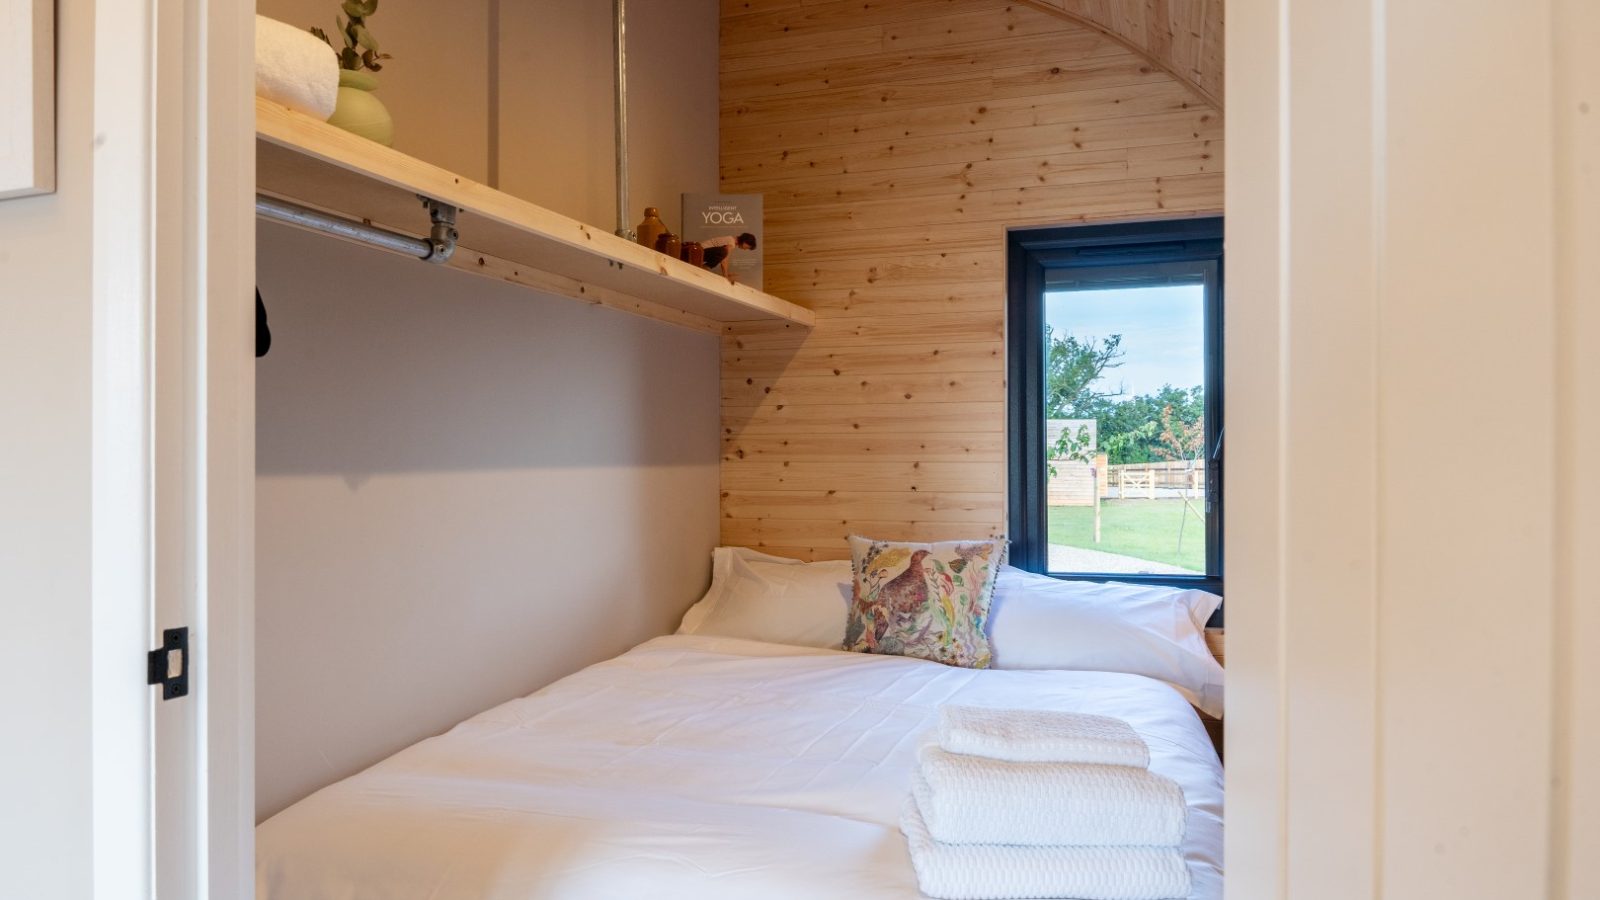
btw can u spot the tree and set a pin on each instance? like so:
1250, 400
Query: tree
1167, 424
1180, 439
1072, 366
1131, 430
1132, 445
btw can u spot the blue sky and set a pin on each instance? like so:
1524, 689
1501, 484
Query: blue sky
1162, 332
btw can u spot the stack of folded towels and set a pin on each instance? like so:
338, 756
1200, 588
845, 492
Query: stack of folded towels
1010, 804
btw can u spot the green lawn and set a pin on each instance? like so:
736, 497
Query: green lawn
1147, 529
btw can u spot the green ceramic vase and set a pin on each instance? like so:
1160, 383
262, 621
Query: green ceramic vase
358, 111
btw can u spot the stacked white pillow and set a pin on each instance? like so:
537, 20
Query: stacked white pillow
770, 598
1035, 622
1039, 622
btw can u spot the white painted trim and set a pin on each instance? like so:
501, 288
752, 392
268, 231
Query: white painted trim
1575, 812
227, 403
174, 445
121, 584
1255, 329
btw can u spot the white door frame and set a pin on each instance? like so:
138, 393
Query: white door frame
173, 460
1412, 703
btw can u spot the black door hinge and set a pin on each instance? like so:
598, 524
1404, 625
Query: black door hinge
169, 665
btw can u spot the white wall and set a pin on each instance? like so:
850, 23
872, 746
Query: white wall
1411, 704
555, 111
672, 110
46, 332
467, 490
551, 106
437, 84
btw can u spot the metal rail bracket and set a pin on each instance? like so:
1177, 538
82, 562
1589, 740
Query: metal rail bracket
443, 236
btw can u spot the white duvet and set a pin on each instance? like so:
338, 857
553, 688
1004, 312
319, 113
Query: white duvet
692, 767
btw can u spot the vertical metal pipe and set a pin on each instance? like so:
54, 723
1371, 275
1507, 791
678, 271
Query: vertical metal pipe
620, 51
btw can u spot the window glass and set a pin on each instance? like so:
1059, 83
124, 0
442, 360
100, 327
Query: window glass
1125, 433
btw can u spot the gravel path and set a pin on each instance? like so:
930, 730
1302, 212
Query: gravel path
1079, 559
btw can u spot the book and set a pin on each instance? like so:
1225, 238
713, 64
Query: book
729, 226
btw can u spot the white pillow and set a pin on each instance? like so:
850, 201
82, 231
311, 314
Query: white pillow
1038, 622
773, 599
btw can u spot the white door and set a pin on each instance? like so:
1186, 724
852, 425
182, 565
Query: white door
174, 442
1412, 707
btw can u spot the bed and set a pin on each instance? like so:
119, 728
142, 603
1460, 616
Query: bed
692, 767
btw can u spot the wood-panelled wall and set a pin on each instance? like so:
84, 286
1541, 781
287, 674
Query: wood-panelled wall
895, 142
1182, 36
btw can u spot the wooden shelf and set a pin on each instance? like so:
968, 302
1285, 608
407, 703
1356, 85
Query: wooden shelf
315, 164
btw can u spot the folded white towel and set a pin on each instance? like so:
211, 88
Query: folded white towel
975, 800
1027, 735
998, 872
295, 68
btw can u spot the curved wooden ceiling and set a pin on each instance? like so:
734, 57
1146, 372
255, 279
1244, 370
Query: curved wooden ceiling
1182, 36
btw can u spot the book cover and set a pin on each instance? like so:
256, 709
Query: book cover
729, 227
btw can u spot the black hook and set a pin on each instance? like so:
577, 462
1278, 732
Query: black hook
263, 333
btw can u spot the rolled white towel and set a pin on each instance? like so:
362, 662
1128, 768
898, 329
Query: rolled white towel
998, 872
295, 68
975, 800
1028, 735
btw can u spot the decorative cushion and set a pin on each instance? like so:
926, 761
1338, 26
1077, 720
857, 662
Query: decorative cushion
929, 601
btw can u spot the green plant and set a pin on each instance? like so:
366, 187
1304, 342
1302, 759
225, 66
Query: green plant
1072, 446
360, 47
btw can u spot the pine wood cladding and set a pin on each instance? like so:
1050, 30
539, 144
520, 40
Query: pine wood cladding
1182, 36
896, 141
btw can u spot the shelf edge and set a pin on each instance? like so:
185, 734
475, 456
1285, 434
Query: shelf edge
293, 131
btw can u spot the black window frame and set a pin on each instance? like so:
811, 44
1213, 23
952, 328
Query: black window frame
1104, 254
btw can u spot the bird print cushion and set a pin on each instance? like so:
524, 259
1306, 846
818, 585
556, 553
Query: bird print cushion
929, 601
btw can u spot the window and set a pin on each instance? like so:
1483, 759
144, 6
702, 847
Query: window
1114, 381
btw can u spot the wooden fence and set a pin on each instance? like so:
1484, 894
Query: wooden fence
1165, 475
1072, 483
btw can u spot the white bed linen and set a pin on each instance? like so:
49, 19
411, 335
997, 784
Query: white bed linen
692, 767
